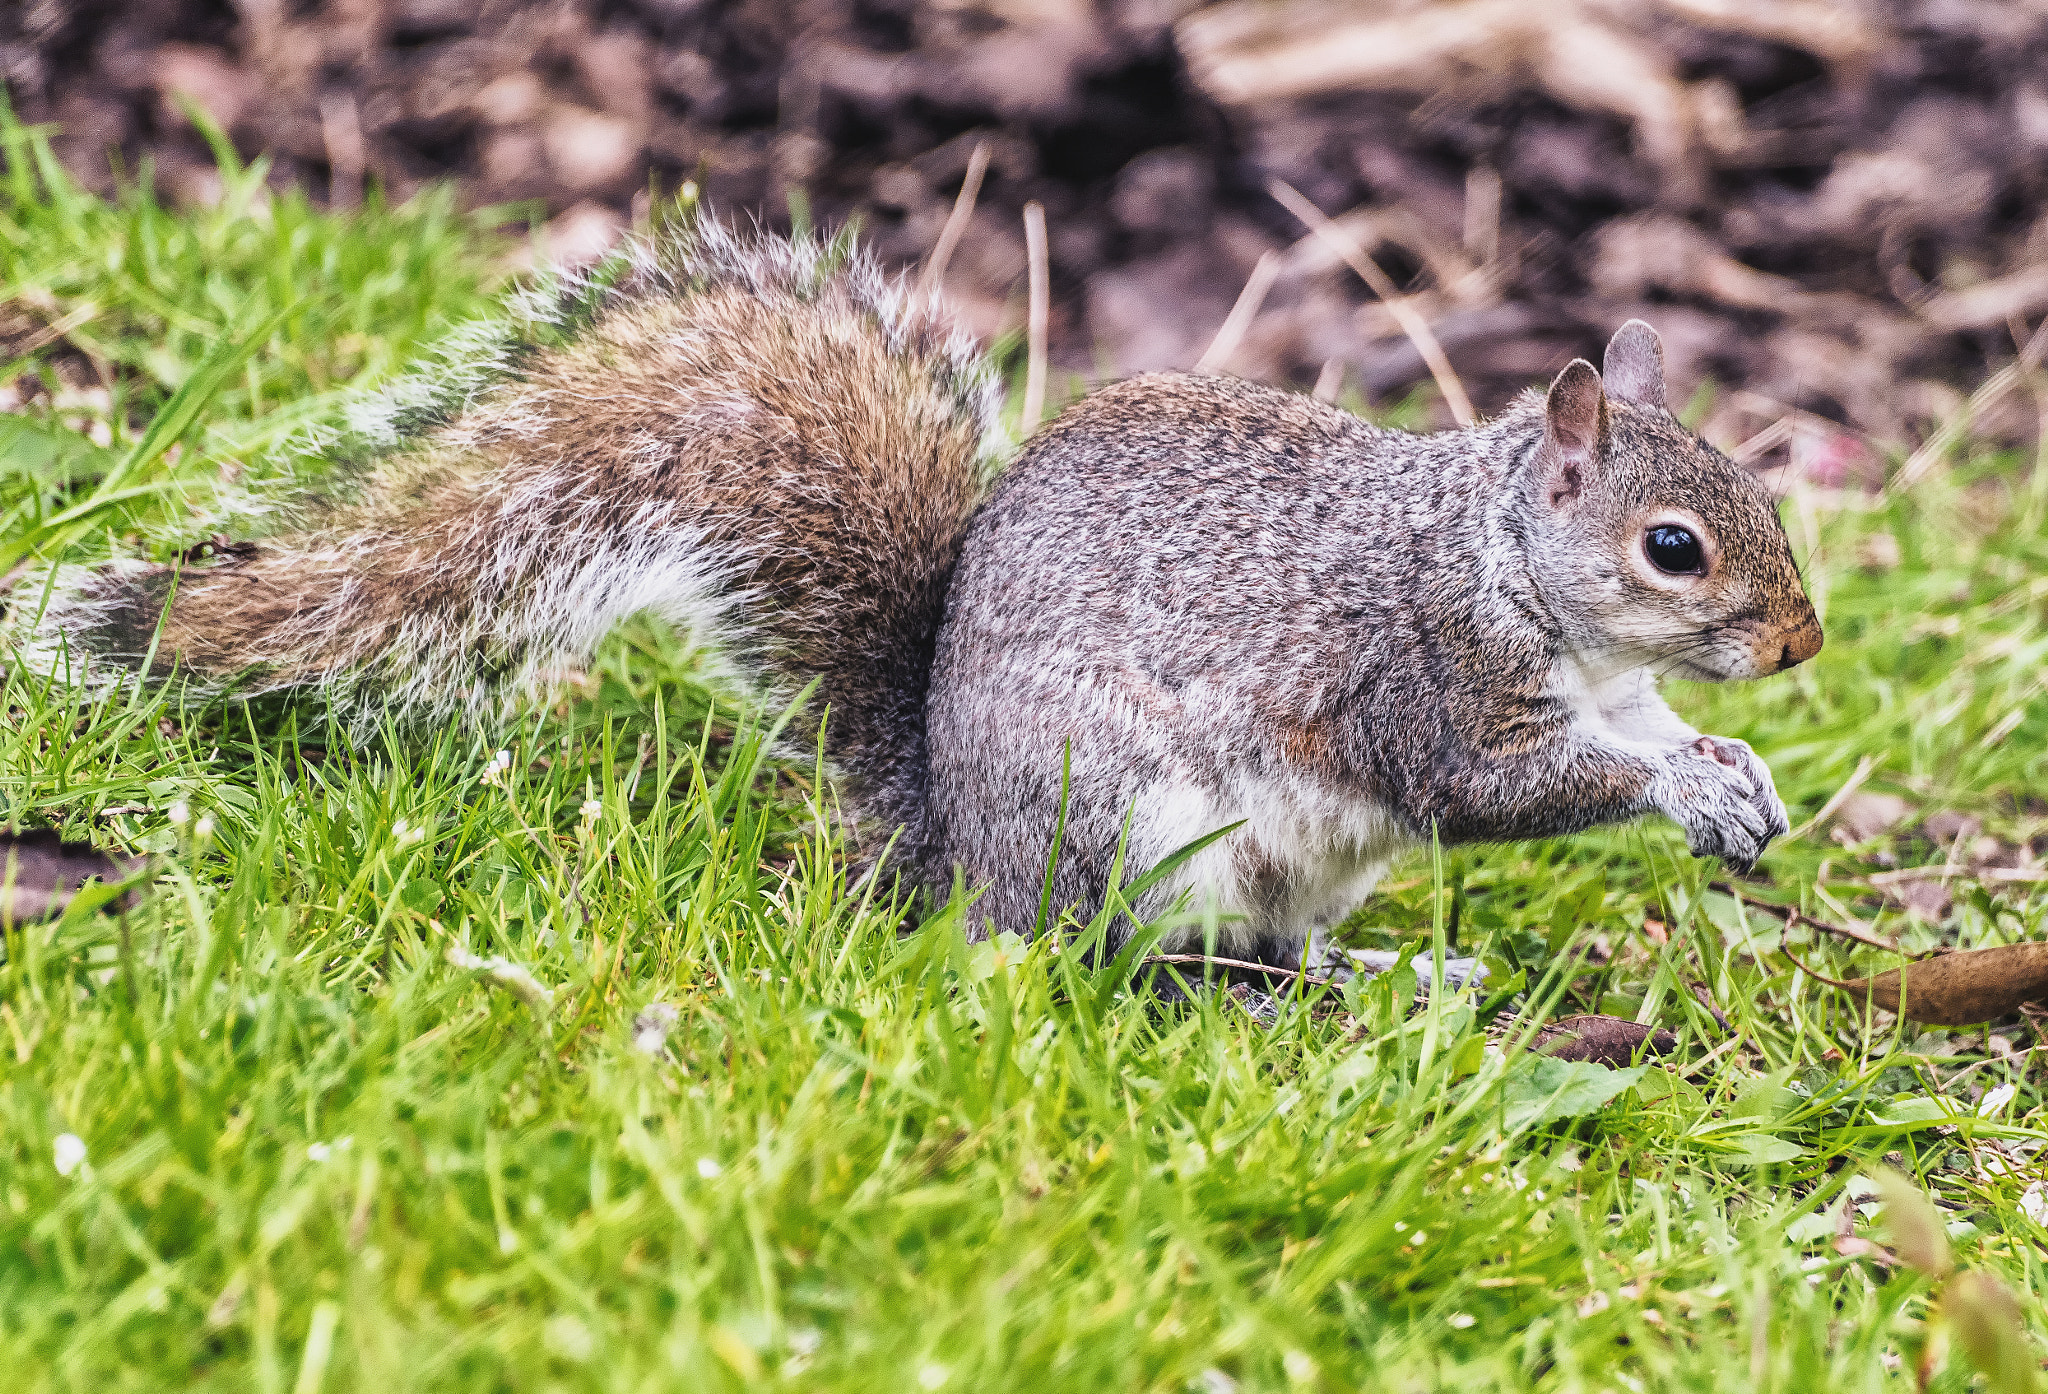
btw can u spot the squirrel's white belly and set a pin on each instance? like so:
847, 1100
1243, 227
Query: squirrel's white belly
1305, 855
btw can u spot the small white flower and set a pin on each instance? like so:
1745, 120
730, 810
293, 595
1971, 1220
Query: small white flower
318, 1151
1421, 1238
69, 1153
203, 829
932, 1376
1400, 1226
1300, 1368
1462, 1321
708, 1168
180, 814
592, 809
406, 834
500, 764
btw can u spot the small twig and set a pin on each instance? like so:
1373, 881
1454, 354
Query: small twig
1242, 965
1241, 315
1793, 917
1822, 977
2007, 875
955, 228
1837, 799
1041, 312
1412, 324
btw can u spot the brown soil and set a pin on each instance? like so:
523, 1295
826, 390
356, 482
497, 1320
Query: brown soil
1832, 207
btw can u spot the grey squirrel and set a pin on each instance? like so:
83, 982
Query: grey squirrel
1213, 602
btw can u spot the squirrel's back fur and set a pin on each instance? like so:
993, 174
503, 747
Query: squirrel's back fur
756, 439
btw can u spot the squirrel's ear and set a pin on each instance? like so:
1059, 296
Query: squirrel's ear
1574, 431
1634, 365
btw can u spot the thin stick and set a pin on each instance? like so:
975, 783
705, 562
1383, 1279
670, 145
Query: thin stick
1793, 917
1311, 979
955, 228
2008, 875
1837, 799
1412, 324
1241, 314
1041, 312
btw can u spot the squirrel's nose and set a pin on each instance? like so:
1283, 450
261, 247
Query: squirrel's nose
1801, 644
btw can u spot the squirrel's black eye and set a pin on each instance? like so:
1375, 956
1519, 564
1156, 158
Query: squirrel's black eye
1675, 550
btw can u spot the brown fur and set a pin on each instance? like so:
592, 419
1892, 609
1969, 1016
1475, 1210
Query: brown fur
815, 455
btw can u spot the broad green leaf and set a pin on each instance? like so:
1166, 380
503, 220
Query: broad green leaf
1550, 1091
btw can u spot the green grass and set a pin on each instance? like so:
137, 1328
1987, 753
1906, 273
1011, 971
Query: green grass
737, 1133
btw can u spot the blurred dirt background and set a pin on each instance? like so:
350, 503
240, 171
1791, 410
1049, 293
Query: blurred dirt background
1835, 210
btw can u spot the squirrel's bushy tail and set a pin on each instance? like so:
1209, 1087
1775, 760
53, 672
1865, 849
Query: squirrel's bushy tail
754, 438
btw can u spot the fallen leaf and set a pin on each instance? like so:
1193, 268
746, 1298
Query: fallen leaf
1602, 1040
43, 874
1960, 988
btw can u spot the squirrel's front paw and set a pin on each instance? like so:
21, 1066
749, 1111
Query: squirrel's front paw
1721, 793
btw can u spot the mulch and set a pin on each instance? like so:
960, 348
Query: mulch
1832, 209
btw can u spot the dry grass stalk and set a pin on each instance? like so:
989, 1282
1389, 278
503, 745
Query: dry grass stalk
1412, 324
1241, 315
341, 132
1040, 315
1837, 799
1958, 426
55, 330
1778, 433
1330, 381
1996, 875
1482, 214
955, 228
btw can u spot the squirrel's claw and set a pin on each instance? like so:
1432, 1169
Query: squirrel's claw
1721, 793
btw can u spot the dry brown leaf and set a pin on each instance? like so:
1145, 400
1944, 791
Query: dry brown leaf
1602, 1040
40, 873
1960, 988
